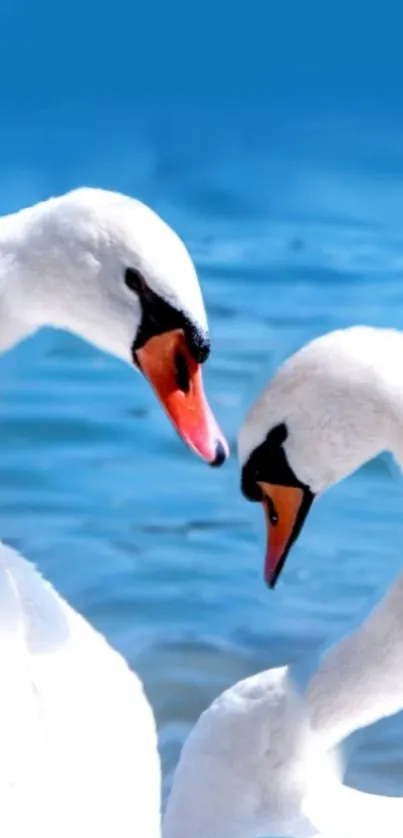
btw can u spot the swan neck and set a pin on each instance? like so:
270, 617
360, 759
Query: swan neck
356, 684
20, 274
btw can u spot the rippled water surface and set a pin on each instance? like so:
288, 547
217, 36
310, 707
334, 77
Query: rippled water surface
295, 229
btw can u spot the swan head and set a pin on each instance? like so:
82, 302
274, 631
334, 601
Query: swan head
108, 268
329, 409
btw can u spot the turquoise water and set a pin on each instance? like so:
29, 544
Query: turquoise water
296, 228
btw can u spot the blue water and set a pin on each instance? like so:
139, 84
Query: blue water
295, 224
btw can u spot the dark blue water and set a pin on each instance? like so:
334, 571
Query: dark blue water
296, 226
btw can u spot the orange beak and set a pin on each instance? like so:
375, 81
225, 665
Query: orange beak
177, 380
285, 509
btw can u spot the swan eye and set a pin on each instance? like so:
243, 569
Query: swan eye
134, 280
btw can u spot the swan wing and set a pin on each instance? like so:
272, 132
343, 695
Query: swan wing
78, 748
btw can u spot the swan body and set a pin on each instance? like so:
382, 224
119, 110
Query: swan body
78, 739
348, 813
247, 764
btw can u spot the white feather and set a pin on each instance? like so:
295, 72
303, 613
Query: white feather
78, 751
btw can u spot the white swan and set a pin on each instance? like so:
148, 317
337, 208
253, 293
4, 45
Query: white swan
78, 751
259, 760
106, 267
257, 757
78, 747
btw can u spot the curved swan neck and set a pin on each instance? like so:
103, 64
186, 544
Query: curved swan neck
14, 302
356, 683
62, 264
35, 268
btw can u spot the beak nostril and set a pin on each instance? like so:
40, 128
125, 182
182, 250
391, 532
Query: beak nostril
273, 516
182, 373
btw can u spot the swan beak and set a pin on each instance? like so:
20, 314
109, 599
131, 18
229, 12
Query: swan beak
285, 509
176, 378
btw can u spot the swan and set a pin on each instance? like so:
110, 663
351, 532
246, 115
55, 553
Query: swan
262, 756
107, 268
331, 407
78, 753
262, 760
